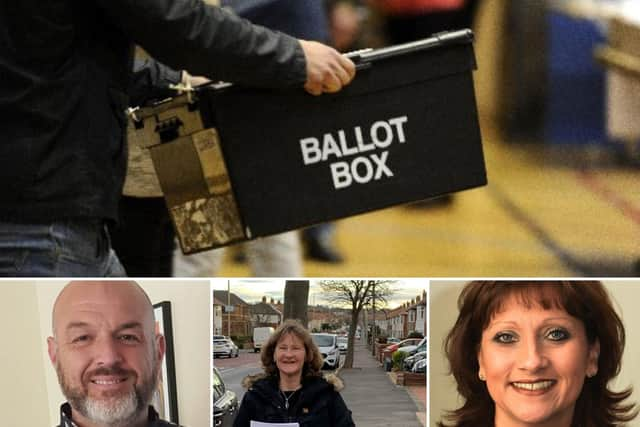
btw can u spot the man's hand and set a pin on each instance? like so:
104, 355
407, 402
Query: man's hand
327, 70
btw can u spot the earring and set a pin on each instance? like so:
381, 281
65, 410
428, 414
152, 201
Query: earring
592, 374
481, 376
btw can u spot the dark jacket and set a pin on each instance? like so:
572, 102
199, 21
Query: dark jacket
64, 69
154, 419
306, 19
318, 403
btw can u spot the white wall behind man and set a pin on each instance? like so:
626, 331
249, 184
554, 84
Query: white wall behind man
23, 395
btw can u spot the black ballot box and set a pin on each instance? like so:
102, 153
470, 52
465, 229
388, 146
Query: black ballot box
405, 129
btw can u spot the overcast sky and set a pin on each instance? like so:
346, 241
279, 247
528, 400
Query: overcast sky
252, 290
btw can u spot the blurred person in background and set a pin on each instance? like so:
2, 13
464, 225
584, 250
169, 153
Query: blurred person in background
345, 23
409, 20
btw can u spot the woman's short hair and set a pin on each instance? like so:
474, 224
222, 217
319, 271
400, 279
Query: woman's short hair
314, 361
597, 406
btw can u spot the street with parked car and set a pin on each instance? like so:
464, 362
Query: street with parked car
224, 347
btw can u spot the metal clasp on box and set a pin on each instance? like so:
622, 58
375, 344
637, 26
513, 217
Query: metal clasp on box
165, 121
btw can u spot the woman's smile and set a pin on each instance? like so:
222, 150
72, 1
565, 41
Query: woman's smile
533, 387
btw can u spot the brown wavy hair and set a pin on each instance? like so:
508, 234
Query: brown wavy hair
597, 406
314, 361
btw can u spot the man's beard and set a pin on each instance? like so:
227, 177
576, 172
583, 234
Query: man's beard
114, 410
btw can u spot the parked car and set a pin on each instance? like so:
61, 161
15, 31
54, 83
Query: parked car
225, 402
410, 341
410, 361
413, 349
260, 337
343, 344
328, 346
393, 340
420, 366
225, 347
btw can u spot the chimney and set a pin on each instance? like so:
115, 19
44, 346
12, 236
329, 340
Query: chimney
264, 300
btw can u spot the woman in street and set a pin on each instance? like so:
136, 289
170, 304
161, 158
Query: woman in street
292, 389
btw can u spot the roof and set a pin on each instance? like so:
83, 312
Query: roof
222, 297
418, 303
264, 308
396, 312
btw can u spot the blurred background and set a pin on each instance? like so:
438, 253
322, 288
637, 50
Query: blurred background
558, 92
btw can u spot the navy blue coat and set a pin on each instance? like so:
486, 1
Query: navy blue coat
318, 404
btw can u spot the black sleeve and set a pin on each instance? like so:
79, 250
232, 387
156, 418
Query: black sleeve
151, 80
247, 408
210, 41
341, 415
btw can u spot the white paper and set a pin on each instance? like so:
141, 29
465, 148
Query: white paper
261, 424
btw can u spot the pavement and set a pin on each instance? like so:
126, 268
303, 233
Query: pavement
419, 396
375, 400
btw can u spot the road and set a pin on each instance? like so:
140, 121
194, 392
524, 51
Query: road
234, 370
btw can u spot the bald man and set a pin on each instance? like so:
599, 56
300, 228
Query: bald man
107, 355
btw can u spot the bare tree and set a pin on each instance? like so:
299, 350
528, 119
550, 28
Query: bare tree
296, 295
355, 294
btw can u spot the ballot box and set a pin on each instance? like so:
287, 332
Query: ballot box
237, 163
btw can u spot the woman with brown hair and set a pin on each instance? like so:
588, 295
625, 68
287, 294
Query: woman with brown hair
292, 388
537, 353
